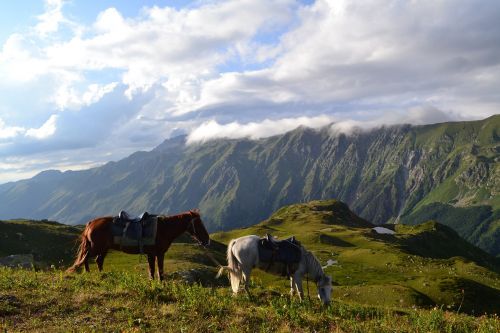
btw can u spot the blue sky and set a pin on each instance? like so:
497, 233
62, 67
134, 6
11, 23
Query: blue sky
85, 82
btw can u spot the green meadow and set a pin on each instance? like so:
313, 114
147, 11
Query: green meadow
423, 278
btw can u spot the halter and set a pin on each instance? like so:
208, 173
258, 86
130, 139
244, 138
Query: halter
191, 222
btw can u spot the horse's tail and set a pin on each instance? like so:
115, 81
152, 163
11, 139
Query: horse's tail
83, 252
233, 268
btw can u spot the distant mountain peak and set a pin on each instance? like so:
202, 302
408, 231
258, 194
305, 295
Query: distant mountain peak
172, 142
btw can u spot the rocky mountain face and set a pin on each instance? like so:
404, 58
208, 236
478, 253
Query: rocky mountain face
448, 172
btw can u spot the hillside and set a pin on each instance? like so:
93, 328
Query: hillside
422, 279
425, 265
388, 174
50, 243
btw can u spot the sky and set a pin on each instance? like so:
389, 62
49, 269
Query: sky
85, 82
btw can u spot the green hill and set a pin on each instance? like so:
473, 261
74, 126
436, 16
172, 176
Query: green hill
396, 173
50, 243
421, 279
424, 265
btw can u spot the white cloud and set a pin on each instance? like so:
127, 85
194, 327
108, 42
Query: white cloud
67, 97
414, 116
213, 130
17, 63
338, 52
46, 130
161, 45
50, 20
366, 53
350, 126
8, 132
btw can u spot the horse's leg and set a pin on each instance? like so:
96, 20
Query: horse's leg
86, 264
292, 286
90, 253
100, 261
298, 285
159, 258
246, 277
151, 262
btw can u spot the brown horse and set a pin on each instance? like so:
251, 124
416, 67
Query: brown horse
97, 239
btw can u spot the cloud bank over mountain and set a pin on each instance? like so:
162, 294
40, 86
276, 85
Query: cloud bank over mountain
122, 79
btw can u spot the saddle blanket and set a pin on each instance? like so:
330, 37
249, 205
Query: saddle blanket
282, 257
134, 232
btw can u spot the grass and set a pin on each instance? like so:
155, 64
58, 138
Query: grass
51, 243
128, 301
412, 281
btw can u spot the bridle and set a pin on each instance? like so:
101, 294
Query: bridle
193, 230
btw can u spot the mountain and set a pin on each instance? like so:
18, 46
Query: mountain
424, 265
402, 174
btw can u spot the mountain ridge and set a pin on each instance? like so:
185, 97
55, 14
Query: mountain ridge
387, 174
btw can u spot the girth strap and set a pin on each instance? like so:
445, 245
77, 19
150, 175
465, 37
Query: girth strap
140, 242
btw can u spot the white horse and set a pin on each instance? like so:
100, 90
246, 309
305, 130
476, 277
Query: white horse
243, 256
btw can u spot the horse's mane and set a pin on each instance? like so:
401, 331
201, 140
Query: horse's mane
313, 265
179, 217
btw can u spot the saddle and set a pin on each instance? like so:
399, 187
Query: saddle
286, 252
134, 231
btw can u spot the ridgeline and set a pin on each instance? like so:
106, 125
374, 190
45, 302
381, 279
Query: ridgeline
447, 172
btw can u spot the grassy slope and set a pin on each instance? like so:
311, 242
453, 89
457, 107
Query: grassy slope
50, 243
127, 302
417, 266
379, 281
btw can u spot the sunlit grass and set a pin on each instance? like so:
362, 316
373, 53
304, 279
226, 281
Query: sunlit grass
127, 301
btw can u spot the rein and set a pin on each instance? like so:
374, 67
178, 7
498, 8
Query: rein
309, 268
207, 251
191, 222
211, 257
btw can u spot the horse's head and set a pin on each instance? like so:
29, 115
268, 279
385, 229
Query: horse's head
197, 229
324, 285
